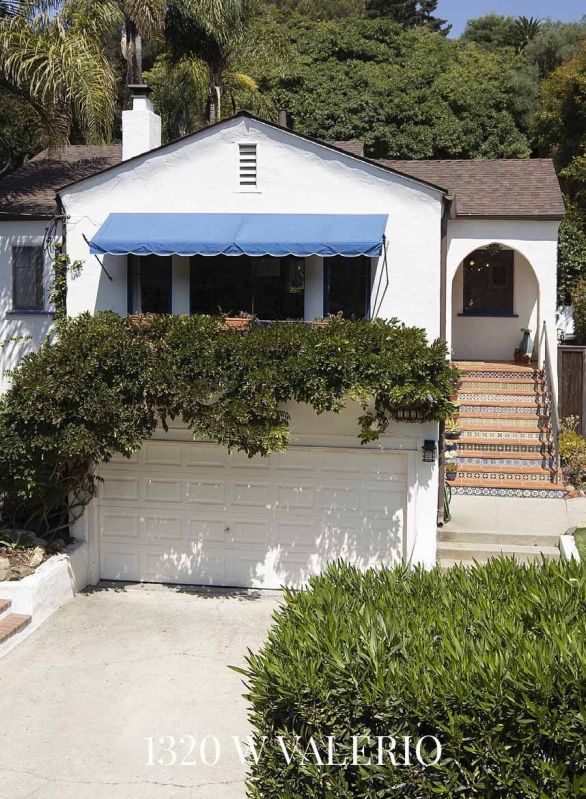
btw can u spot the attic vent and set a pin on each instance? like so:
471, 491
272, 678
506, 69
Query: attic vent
247, 164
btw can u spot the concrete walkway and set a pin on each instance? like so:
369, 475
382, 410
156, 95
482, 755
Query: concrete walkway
115, 666
515, 515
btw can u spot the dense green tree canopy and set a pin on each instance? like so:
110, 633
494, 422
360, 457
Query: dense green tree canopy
408, 94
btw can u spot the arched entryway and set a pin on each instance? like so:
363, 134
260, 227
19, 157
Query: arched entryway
495, 295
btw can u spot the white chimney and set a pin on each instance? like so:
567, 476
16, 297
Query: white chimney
141, 127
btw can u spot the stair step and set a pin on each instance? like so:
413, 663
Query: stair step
528, 404
467, 552
11, 624
482, 537
503, 456
495, 366
490, 469
523, 393
512, 485
473, 443
513, 418
470, 424
498, 430
5, 604
507, 383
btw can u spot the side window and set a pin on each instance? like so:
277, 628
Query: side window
27, 279
347, 286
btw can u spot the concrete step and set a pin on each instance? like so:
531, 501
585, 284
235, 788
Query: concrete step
468, 552
11, 624
480, 538
5, 605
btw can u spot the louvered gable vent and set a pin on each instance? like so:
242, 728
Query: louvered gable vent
247, 165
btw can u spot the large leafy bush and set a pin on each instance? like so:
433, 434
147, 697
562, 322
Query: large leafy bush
490, 660
103, 384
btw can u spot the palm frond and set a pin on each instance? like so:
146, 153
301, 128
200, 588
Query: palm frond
65, 73
147, 15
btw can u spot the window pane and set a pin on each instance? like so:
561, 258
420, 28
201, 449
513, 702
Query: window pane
221, 285
149, 284
270, 288
488, 282
348, 286
27, 267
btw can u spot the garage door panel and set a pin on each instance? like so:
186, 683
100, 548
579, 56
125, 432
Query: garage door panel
121, 488
294, 496
206, 492
119, 524
163, 490
206, 531
162, 453
192, 513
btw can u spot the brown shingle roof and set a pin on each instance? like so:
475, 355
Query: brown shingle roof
352, 146
526, 188
521, 188
30, 189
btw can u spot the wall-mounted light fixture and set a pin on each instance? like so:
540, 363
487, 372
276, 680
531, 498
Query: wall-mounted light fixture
429, 450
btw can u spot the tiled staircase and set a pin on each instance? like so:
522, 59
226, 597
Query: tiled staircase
10, 623
505, 444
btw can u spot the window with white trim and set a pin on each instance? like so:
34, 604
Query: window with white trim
247, 166
27, 279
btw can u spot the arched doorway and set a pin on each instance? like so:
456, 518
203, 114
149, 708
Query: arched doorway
495, 295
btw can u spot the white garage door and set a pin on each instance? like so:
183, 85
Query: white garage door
183, 512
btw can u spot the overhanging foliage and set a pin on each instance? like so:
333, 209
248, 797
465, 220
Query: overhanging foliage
103, 384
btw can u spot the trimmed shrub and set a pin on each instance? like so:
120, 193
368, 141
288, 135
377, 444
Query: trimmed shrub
491, 660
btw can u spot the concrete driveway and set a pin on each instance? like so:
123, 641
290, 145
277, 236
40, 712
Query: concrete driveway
116, 666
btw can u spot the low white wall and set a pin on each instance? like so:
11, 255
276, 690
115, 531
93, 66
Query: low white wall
55, 582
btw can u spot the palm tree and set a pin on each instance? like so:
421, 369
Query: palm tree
207, 42
133, 20
525, 30
59, 71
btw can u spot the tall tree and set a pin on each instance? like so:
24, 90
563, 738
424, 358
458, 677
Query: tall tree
491, 31
205, 62
59, 71
132, 20
408, 13
526, 30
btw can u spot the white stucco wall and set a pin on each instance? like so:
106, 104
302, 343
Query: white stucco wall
295, 176
491, 338
28, 328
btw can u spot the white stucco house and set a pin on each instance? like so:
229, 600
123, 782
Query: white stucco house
208, 223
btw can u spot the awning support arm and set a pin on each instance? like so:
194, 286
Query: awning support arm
98, 260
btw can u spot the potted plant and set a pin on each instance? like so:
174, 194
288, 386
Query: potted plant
524, 351
240, 322
451, 461
452, 430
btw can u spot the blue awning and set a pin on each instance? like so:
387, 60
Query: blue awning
241, 234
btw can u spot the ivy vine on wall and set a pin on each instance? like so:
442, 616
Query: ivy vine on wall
102, 384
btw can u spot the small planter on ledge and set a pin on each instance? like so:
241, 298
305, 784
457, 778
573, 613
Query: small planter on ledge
451, 465
241, 322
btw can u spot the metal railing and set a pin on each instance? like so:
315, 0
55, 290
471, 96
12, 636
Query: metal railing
550, 402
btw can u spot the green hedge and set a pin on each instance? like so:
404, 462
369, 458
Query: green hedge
490, 660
